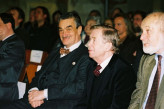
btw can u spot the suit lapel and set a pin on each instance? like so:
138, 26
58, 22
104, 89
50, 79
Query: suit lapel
147, 68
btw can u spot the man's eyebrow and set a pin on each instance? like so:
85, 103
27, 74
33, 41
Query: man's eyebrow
69, 26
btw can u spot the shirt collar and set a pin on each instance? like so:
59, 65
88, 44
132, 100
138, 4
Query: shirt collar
105, 63
73, 47
7, 37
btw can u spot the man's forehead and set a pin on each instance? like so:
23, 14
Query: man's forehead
148, 23
96, 32
66, 22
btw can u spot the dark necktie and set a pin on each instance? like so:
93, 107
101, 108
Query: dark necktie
64, 51
153, 93
96, 71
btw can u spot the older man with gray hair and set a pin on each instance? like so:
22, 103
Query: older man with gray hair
149, 93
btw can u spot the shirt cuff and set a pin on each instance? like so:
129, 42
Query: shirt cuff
46, 93
35, 88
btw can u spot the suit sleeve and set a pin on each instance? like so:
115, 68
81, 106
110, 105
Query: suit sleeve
135, 98
11, 61
74, 89
11, 54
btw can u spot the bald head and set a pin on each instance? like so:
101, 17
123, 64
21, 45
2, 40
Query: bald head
154, 19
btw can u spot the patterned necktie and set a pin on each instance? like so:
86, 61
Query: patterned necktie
96, 71
153, 93
64, 51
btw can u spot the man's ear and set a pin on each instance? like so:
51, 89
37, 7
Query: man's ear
79, 29
108, 46
9, 25
20, 20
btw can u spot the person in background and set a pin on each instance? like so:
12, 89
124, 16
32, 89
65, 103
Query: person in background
112, 82
61, 82
92, 20
108, 22
115, 12
55, 30
95, 13
42, 34
29, 26
19, 18
138, 16
12, 56
128, 45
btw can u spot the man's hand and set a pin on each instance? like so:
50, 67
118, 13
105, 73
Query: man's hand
35, 104
36, 95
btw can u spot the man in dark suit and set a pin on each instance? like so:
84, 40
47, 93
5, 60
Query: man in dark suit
12, 55
110, 85
19, 18
61, 82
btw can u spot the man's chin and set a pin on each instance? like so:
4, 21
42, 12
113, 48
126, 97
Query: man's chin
149, 51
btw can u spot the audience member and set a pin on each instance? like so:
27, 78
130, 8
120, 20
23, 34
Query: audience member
29, 26
55, 30
19, 18
61, 82
92, 20
12, 55
42, 36
115, 12
108, 22
138, 16
95, 13
110, 85
149, 92
128, 44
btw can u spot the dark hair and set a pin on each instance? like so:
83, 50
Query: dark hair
97, 13
55, 13
45, 11
120, 12
109, 35
127, 23
21, 14
74, 15
142, 13
7, 18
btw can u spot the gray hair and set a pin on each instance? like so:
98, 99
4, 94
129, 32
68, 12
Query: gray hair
157, 18
109, 35
95, 18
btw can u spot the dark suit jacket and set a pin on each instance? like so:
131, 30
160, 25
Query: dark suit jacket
65, 79
12, 55
113, 88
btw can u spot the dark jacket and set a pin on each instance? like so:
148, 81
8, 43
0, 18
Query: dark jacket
12, 55
113, 88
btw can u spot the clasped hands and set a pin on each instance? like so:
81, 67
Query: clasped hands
36, 98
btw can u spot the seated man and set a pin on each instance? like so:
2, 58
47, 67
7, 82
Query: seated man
111, 84
61, 82
12, 55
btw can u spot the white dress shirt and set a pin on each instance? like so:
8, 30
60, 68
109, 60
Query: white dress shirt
105, 63
153, 75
